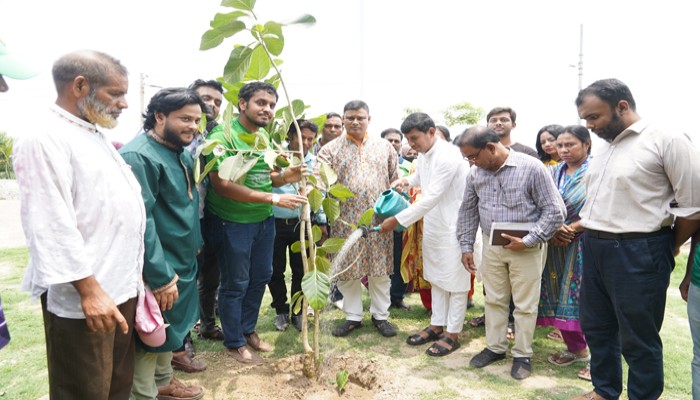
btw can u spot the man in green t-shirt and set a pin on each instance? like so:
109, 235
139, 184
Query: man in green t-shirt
242, 225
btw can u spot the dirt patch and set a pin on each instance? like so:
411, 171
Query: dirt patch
283, 378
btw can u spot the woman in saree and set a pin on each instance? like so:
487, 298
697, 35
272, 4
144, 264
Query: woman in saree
561, 279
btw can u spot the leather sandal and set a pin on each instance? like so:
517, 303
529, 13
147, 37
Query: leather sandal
438, 350
478, 321
184, 362
346, 328
245, 355
418, 339
176, 390
257, 344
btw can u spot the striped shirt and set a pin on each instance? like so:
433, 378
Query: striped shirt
522, 190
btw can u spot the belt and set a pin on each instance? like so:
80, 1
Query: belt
626, 235
287, 221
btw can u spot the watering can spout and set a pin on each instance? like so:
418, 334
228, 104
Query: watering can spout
367, 230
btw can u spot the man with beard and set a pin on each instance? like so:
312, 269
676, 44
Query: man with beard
211, 93
643, 179
172, 239
242, 224
84, 222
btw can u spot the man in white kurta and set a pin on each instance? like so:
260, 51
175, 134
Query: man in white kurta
441, 173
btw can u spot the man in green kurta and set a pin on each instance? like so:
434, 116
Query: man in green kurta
172, 238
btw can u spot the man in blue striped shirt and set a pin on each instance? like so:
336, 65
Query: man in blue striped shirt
507, 186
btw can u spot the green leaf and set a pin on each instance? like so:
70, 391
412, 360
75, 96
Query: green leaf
332, 245
224, 21
341, 379
247, 138
313, 181
366, 218
211, 39
207, 146
316, 233
202, 126
296, 247
261, 141
332, 209
328, 176
273, 37
297, 301
247, 5
315, 198
341, 192
259, 66
316, 286
236, 167
306, 19
323, 264
238, 63
207, 169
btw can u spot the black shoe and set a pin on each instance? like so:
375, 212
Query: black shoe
401, 305
281, 322
521, 368
485, 358
384, 327
296, 321
346, 328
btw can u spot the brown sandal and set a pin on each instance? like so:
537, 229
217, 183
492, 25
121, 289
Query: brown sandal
177, 390
478, 321
257, 344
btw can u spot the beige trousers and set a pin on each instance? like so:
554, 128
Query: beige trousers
517, 273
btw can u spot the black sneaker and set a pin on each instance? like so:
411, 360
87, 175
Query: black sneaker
281, 322
485, 358
384, 327
296, 321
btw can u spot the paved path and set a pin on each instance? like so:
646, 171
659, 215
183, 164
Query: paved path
11, 233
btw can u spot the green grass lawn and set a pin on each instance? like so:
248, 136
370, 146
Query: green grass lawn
23, 366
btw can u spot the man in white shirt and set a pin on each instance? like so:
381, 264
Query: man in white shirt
84, 221
441, 173
642, 180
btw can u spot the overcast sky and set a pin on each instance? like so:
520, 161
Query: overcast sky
392, 54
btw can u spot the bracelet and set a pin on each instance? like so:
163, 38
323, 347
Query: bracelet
275, 199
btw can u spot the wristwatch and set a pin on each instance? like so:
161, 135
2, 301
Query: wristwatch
275, 199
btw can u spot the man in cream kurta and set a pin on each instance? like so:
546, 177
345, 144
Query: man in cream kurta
441, 173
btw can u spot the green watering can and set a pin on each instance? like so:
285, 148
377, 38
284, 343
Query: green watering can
390, 203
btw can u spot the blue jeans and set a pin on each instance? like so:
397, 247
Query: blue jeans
694, 321
244, 253
623, 298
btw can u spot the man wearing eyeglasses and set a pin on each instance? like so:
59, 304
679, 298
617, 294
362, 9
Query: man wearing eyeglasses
507, 186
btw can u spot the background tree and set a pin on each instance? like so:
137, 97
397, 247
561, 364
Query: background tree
462, 114
6, 170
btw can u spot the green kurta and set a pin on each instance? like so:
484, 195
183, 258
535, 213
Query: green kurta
172, 236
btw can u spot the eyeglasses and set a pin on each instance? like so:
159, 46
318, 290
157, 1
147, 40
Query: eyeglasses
473, 157
329, 126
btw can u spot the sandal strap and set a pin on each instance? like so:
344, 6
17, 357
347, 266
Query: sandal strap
447, 340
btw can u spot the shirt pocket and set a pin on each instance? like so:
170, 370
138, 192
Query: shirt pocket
512, 197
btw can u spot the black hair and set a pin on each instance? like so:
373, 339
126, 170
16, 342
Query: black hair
444, 130
303, 124
356, 105
478, 137
249, 89
610, 91
499, 110
581, 133
168, 100
391, 130
216, 85
554, 130
419, 121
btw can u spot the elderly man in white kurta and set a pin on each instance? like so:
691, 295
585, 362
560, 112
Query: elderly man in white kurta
441, 173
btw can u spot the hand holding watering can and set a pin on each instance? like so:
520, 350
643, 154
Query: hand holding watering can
390, 203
